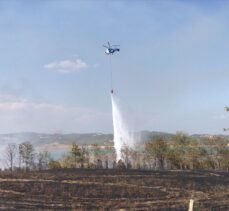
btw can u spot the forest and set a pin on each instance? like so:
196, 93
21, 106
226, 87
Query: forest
163, 153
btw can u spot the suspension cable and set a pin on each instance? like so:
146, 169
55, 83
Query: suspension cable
111, 76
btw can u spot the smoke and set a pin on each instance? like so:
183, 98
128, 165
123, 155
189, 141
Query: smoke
123, 127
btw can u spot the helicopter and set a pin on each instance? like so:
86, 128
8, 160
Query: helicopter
110, 49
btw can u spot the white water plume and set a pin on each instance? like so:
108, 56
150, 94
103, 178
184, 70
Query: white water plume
123, 129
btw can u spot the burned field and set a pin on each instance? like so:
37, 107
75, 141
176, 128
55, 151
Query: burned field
107, 189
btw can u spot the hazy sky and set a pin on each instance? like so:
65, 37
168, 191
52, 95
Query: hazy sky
172, 70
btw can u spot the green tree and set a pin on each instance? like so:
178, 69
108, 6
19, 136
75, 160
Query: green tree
67, 161
194, 155
76, 154
178, 151
126, 153
216, 152
43, 159
27, 154
225, 158
80, 155
11, 152
84, 156
157, 150
97, 154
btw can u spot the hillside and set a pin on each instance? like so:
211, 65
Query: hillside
38, 139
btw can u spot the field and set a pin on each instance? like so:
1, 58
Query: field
107, 189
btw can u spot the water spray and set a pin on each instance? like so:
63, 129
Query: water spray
123, 132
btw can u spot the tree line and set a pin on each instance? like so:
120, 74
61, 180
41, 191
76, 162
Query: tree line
178, 152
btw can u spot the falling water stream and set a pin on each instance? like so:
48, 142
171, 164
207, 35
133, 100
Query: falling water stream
123, 132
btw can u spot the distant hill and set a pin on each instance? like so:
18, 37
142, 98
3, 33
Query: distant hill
43, 138
38, 139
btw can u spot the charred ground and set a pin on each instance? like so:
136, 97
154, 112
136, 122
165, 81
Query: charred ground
108, 189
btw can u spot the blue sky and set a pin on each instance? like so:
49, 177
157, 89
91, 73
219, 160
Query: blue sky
172, 70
